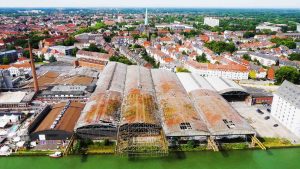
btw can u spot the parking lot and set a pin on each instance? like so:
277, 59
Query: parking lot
263, 127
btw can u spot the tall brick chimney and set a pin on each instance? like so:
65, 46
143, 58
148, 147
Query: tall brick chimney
34, 76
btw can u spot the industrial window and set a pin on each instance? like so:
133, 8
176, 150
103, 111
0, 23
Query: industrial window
229, 124
185, 126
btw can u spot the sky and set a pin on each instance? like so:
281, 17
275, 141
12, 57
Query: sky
154, 3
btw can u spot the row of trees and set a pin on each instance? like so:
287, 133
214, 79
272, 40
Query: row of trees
286, 42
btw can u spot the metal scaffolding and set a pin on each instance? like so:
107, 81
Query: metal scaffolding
141, 140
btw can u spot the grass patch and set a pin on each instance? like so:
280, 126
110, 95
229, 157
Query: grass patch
100, 150
234, 146
275, 142
186, 147
90, 147
32, 153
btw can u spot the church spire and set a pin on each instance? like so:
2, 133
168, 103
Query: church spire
146, 17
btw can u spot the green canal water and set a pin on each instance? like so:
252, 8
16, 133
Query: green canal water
249, 159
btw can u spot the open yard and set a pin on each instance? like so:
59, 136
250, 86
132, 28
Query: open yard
264, 128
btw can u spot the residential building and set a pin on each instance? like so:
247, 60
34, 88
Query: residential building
234, 72
286, 106
266, 60
17, 69
93, 55
211, 21
64, 50
122, 40
268, 26
52, 41
260, 72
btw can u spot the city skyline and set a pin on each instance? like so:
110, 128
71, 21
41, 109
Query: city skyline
153, 3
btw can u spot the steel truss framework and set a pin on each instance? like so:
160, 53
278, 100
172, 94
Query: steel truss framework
141, 139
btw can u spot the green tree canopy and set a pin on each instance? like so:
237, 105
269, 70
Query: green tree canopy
5, 60
286, 42
287, 73
248, 35
94, 48
220, 47
252, 74
246, 57
202, 58
294, 56
52, 59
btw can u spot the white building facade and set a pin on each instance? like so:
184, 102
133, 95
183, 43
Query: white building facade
286, 106
266, 60
211, 21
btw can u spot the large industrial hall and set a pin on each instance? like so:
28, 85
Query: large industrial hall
148, 110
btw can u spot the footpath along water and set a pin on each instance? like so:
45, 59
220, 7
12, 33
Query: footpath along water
248, 159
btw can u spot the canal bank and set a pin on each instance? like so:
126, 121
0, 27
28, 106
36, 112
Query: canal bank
246, 159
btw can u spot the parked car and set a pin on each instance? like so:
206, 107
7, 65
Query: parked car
267, 117
275, 125
269, 110
259, 111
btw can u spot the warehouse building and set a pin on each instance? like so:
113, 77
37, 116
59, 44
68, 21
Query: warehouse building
229, 89
153, 109
56, 123
101, 114
140, 131
258, 96
208, 96
180, 119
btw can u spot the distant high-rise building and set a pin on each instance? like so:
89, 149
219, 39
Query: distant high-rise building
120, 18
286, 106
210, 21
146, 17
298, 27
